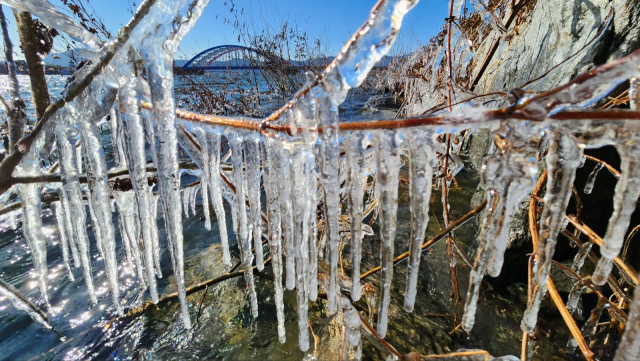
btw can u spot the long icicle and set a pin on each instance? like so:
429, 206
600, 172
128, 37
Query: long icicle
100, 197
160, 76
355, 187
422, 159
286, 213
388, 163
242, 232
252, 155
71, 186
213, 140
300, 171
275, 233
32, 228
129, 97
201, 135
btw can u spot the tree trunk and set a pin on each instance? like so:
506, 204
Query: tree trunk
29, 40
15, 105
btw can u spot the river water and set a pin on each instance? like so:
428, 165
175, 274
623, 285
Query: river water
223, 326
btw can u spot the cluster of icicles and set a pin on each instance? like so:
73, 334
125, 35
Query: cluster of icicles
298, 171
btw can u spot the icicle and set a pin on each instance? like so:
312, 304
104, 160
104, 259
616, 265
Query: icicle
422, 159
32, 228
160, 77
66, 216
629, 346
313, 225
125, 240
151, 137
193, 195
185, 201
388, 160
99, 202
591, 181
301, 168
275, 235
154, 231
132, 124
352, 326
201, 135
117, 136
581, 256
64, 241
213, 146
126, 209
252, 155
284, 187
242, 232
574, 297
79, 154
355, 187
562, 160
94, 221
77, 214
330, 155
229, 195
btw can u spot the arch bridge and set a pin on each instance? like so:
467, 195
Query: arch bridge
230, 57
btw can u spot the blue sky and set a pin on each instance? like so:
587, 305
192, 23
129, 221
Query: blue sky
334, 21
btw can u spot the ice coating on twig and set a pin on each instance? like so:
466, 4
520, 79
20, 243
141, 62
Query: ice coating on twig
22, 303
